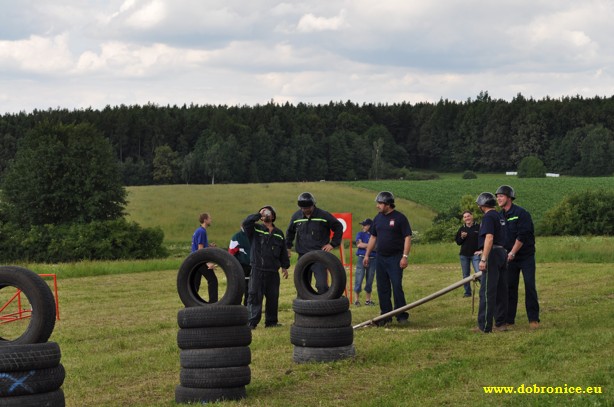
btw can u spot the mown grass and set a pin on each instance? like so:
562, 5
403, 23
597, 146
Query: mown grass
175, 208
118, 340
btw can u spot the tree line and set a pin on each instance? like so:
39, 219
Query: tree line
339, 140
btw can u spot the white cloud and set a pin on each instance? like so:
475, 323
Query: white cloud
72, 53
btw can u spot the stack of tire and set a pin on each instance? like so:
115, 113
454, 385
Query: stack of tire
322, 329
213, 338
30, 370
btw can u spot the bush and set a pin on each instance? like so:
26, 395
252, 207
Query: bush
469, 175
100, 240
587, 213
531, 167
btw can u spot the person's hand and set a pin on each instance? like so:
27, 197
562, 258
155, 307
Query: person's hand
482, 266
365, 261
284, 272
289, 253
327, 247
404, 263
463, 235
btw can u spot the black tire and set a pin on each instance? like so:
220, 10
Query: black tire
323, 321
36, 290
235, 278
31, 356
303, 354
33, 381
213, 315
327, 307
302, 277
215, 378
196, 395
215, 357
321, 337
51, 399
214, 337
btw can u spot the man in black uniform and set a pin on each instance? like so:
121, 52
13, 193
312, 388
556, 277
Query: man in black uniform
493, 287
312, 227
520, 245
268, 254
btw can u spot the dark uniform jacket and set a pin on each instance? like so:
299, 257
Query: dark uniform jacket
314, 232
268, 250
519, 226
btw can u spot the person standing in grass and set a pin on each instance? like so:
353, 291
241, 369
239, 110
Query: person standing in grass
312, 228
467, 239
520, 245
239, 247
493, 287
268, 255
362, 241
391, 233
201, 241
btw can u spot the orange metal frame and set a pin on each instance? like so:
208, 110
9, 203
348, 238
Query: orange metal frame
26, 313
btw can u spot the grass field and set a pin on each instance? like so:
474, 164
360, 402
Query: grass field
118, 339
118, 319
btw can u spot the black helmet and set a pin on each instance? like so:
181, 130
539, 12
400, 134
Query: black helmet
273, 213
305, 200
486, 199
506, 190
386, 198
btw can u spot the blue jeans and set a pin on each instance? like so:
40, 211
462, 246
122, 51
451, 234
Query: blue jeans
360, 275
466, 262
390, 281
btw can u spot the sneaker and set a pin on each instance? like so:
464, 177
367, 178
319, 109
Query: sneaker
357, 303
403, 321
370, 303
467, 295
501, 328
533, 324
476, 329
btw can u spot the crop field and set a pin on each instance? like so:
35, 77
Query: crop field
537, 195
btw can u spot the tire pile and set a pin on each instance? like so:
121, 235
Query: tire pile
213, 338
322, 329
31, 374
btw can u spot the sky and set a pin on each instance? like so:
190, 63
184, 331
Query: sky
79, 54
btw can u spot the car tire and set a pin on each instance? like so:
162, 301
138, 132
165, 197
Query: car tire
30, 356
235, 278
302, 278
323, 321
321, 337
211, 316
38, 293
214, 337
323, 307
215, 357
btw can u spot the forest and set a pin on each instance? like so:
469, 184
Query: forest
339, 141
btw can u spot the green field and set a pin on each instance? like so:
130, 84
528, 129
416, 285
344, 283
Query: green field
118, 319
537, 195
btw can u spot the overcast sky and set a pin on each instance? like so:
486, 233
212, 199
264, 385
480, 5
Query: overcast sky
91, 53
